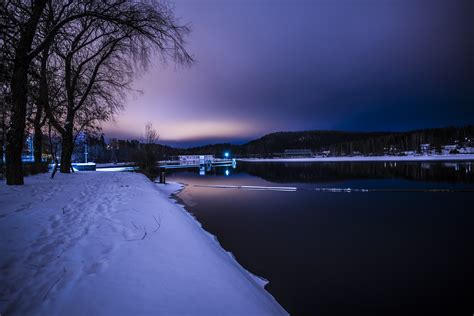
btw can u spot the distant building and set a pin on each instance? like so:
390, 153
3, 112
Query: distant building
449, 149
295, 153
195, 159
425, 149
466, 150
392, 150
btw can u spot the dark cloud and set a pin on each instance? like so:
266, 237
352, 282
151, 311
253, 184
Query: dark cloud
339, 64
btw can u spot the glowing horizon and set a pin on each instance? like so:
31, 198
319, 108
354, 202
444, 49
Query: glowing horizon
299, 65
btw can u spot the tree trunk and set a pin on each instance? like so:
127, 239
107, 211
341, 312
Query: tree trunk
2, 135
18, 89
67, 149
15, 134
38, 147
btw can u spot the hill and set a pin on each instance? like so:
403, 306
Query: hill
321, 142
347, 143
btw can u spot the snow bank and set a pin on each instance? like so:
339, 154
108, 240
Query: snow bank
116, 169
454, 157
114, 164
96, 243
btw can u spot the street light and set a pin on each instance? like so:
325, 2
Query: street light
226, 154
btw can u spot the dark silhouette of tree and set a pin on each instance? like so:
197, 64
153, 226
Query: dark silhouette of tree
148, 153
94, 33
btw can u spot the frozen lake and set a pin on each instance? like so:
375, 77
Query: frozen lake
392, 250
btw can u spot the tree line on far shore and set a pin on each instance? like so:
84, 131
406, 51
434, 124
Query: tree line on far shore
333, 143
67, 65
343, 143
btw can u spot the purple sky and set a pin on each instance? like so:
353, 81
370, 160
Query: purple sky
272, 65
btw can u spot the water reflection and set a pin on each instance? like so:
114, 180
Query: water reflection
337, 254
450, 172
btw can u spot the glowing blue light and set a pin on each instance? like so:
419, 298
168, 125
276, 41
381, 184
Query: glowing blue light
226, 154
227, 172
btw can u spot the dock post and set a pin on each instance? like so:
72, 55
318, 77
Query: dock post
163, 177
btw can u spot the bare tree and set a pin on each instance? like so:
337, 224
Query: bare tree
36, 118
3, 123
20, 21
5, 78
148, 154
145, 26
99, 61
4, 108
151, 134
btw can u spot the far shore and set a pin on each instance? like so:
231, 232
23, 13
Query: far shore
453, 157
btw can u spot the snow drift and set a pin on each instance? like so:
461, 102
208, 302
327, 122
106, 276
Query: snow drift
112, 243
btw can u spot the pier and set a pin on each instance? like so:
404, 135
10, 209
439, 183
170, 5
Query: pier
203, 165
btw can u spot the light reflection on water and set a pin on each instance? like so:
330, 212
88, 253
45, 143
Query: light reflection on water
346, 253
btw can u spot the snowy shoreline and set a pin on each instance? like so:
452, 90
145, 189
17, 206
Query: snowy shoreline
174, 196
454, 157
115, 244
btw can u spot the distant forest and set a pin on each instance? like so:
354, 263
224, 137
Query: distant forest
340, 143
333, 143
